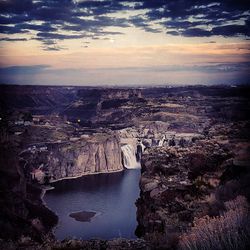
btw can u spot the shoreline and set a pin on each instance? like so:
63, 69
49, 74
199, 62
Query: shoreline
86, 174
44, 189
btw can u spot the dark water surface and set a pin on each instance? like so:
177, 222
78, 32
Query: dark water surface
112, 196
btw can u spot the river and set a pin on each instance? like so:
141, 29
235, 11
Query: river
111, 196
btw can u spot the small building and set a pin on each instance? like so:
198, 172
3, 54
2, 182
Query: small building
43, 148
19, 122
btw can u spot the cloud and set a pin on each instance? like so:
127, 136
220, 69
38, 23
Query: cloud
141, 22
201, 18
197, 32
48, 35
15, 6
53, 48
23, 70
211, 67
173, 33
231, 30
226, 31
45, 27
216, 67
207, 68
52, 19
7, 39
11, 30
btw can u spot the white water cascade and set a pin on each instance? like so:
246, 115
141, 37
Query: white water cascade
161, 141
129, 157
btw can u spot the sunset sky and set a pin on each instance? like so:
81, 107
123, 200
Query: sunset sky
118, 42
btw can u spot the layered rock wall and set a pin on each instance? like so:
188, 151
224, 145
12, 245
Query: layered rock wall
98, 154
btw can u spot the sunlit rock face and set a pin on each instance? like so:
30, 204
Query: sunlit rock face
101, 154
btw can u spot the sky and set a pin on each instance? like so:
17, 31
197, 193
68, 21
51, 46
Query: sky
118, 42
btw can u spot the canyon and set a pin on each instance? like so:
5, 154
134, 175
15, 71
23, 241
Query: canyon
191, 143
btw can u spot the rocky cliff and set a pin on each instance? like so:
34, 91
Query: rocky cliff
181, 188
98, 153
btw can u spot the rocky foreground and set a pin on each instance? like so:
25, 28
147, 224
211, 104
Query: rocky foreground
116, 244
196, 197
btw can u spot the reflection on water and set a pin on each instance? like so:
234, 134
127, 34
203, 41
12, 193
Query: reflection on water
113, 196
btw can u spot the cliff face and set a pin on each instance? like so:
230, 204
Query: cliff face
98, 154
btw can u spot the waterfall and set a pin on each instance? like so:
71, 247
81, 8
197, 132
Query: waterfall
129, 157
161, 142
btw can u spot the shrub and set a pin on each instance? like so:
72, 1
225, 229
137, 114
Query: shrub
229, 231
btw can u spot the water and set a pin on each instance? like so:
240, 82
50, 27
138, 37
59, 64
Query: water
129, 157
111, 195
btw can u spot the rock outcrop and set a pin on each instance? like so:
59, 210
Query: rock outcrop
181, 185
101, 154
98, 154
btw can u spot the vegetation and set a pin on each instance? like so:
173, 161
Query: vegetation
229, 231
